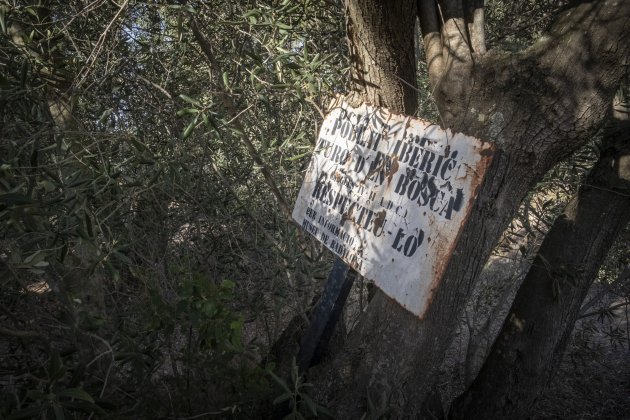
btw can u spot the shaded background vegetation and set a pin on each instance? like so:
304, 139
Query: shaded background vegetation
150, 152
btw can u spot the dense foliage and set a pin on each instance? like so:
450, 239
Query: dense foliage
149, 155
146, 265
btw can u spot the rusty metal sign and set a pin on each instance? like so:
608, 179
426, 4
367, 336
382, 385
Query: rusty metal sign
389, 194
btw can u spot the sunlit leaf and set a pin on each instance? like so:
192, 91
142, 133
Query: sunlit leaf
76, 393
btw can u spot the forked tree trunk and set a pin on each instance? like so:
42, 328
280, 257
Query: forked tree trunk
537, 106
533, 338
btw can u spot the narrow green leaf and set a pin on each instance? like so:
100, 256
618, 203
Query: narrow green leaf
296, 157
282, 398
237, 131
32, 11
190, 100
3, 24
189, 129
185, 111
310, 404
88, 225
105, 115
228, 284
47, 185
55, 366
225, 80
283, 26
122, 257
58, 412
212, 123
76, 393
252, 12
34, 258
280, 382
187, 8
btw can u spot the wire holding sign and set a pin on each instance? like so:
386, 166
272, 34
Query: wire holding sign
389, 194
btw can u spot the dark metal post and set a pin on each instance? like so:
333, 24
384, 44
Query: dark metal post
325, 316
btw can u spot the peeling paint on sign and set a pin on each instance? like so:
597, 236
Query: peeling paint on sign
389, 195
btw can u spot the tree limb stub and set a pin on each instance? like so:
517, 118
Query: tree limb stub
432, 39
475, 19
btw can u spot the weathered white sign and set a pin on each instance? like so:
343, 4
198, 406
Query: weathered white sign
389, 194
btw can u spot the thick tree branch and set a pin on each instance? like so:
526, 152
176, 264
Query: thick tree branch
432, 39
564, 81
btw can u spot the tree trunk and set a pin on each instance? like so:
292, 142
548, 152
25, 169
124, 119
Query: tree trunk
382, 52
539, 323
537, 106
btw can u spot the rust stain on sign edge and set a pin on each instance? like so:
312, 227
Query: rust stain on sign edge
487, 155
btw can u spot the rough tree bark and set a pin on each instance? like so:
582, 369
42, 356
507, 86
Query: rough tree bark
382, 53
537, 106
539, 323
